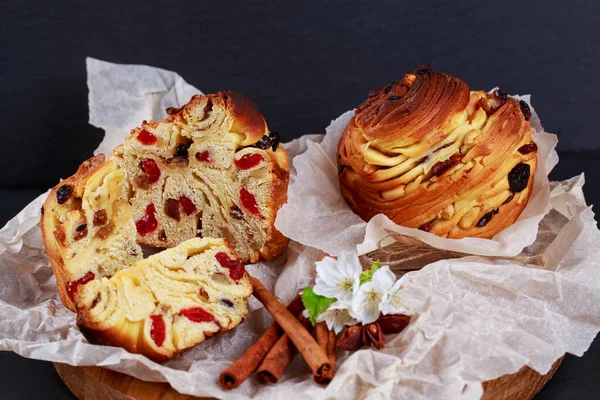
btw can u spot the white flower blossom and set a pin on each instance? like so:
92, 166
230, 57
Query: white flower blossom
393, 301
367, 302
337, 316
338, 279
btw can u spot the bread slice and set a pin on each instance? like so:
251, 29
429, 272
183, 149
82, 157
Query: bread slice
211, 169
167, 302
87, 227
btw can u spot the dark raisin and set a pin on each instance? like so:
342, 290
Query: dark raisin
487, 217
235, 212
100, 218
81, 227
172, 209
172, 110
274, 140
509, 198
443, 166
228, 303
424, 71
528, 148
42, 210
80, 232
388, 89
427, 227
264, 143
181, 151
162, 235
64, 193
518, 177
199, 227
525, 110
502, 95
341, 168
392, 98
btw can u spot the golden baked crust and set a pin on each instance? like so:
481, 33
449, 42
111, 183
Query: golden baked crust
431, 154
216, 155
87, 226
168, 302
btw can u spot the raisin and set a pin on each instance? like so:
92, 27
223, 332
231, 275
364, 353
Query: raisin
518, 177
181, 151
81, 231
509, 198
162, 235
197, 314
487, 217
146, 137
74, 285
528, 148
502, 95
274, 140
235, 212
42, 210
100, 218
388, 89
204, 156
64, 193
443, 166
151, 169
141, 181
264, 143
341, 168
392, 98
248, 161
427, 227
235, 266
172, 209
228, 303
424, 71
158, 330
199, 227
249, 201
187, 205
525, 110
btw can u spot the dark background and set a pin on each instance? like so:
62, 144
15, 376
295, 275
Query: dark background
303, 63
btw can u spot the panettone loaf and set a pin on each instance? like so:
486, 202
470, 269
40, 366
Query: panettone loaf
211, 169
431, 154
168, 302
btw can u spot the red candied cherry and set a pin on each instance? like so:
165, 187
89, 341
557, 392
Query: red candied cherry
235, 266
204, 156
248, 161
197, 314
158, 330
151, 169
148, 222
74, 285
146, 137
249, 201
187, 205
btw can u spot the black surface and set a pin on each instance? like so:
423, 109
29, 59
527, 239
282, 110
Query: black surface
303, 63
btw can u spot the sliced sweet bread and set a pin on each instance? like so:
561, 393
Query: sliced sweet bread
87, 227
211, 169
168, 302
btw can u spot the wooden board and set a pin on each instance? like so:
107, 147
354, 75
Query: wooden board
95, 383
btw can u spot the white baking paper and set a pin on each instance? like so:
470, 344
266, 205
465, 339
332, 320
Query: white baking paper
475, 318
317, 215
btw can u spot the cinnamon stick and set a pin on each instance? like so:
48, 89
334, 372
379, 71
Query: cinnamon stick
279, 358
327, 341
244, 366
310, 350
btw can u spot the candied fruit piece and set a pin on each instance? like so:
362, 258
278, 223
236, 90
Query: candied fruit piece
204, 156
197, 314
100, 218
248, 161
172, 209
249, 201
146, 137
74, 285
151, 169
187, 205
158, 330
148, 223
235, 212
235, 266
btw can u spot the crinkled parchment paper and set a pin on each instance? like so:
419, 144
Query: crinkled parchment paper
476, 317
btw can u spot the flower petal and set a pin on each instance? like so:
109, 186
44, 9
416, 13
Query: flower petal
383, 278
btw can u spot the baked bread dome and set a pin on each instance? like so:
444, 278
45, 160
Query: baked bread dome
211, 169
429, 153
